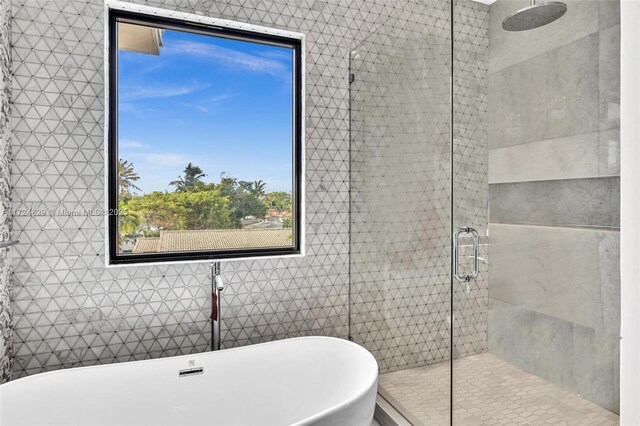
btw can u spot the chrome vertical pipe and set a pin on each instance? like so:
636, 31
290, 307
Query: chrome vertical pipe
213, 323
217, 282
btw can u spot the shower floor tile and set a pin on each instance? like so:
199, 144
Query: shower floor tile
488, 391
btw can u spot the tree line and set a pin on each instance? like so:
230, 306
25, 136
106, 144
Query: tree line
193, 204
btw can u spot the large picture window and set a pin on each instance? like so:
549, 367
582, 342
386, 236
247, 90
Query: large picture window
204, 141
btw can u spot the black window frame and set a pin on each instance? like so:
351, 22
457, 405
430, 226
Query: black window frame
114, 17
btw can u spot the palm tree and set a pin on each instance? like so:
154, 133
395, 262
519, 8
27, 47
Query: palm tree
244, 186
126, 178
192, 176
258, 188
278, 201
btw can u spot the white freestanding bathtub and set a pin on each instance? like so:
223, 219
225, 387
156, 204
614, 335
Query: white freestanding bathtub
301, 381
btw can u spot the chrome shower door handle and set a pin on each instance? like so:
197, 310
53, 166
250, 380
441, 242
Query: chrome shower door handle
476, 254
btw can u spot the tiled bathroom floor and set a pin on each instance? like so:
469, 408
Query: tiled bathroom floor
489, 391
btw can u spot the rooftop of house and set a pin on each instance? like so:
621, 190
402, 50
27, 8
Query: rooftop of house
214, 239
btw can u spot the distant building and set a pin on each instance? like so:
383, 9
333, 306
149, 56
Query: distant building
139, 38
274, 215
213, 239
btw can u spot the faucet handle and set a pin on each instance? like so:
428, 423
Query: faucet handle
219, 283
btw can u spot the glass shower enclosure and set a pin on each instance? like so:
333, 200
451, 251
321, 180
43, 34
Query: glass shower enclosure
484, 240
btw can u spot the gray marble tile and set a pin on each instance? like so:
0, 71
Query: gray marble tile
616, 379
609, 152
510, 333
609, 77
609, 13
550, 96
553, 347
509, 48
581, 359
572, 202
594, 363
609, 265
551, 270
571, 157
537, 343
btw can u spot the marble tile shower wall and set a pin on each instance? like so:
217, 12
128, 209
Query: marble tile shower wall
69, 309
554, 99
6, 309
401, 185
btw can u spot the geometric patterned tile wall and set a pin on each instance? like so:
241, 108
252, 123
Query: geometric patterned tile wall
6, 309
401, 183
69, 309
470, 176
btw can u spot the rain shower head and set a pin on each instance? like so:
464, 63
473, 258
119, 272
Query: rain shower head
534, 16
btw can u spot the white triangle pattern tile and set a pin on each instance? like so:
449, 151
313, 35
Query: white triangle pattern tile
69, 309
401, 184
6, 308
470, 178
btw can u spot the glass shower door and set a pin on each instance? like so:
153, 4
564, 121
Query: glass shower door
484, 240
536, 300
400, 203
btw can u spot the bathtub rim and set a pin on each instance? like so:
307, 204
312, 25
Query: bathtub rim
316, 416
357, 395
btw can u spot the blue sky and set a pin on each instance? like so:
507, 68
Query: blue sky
224, 105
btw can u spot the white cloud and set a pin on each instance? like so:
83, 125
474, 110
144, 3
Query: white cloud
208, 105
158, 169
129, 143
281, 54
228, 56
134, 109
158, 91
